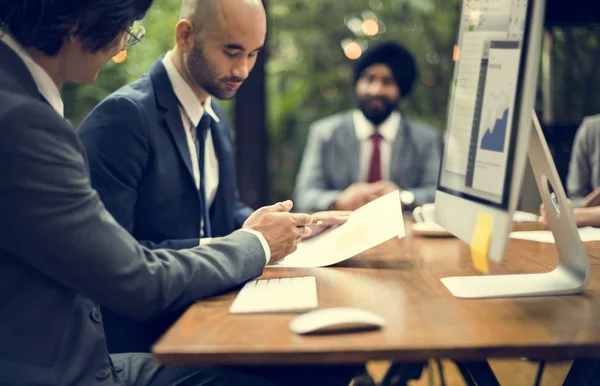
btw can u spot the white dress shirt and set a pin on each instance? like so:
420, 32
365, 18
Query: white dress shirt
364, 129
191, 110
44, 83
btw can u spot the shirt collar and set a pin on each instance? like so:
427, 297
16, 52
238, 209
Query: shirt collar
44, 83
388, 128
185, 95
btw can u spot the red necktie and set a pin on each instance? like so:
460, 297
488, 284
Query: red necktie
375, 168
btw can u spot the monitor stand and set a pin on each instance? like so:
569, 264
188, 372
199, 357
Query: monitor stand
573, 271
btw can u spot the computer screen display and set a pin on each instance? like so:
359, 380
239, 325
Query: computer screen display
482, 110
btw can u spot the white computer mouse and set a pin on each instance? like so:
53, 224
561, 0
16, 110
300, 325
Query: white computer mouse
336, 320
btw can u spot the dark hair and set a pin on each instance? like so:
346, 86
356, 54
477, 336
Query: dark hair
45, 24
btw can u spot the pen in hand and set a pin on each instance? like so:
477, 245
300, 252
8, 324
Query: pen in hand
314, 221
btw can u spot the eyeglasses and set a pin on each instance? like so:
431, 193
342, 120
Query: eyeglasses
135, 35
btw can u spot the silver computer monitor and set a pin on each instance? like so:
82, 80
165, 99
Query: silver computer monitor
491, 132
489, 116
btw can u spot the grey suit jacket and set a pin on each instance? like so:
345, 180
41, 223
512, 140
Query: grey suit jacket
584, 167
62, 255
331, 161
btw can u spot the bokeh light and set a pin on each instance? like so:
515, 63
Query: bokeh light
370, 27
352, 50
120, 57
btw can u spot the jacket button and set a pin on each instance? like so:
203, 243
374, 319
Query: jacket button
103, 374
96, 315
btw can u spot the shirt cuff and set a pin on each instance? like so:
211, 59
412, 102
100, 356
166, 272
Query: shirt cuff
263, 242
205, 240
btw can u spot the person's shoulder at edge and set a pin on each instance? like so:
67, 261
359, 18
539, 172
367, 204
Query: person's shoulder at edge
591, 125
325, 127
592, 119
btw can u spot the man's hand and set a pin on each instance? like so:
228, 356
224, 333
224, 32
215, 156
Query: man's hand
326, 220
384, 187
584, 217
361, 193
355, 196
592, 199
282, 229
543, 219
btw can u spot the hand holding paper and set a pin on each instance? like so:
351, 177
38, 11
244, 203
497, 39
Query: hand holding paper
281, 229
365, 228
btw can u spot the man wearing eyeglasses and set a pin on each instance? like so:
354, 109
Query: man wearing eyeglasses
134, 35
62, 255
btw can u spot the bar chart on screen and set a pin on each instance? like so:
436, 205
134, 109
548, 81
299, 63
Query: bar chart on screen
494, 135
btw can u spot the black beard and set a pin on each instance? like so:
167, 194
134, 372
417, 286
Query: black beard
376, 115
205, 76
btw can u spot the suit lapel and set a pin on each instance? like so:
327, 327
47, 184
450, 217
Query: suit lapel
400, 152
220, 144
172, 117
175, 126
350, 149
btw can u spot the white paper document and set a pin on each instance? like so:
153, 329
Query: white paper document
370, 225
520, 216
587, 234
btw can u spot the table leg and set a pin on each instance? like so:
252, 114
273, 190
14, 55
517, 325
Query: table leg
583, 372
477, 373
400, 373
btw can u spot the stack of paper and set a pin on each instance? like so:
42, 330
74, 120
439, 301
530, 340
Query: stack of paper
372, 224
587, 234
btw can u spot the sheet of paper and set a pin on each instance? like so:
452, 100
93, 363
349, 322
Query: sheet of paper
587, 234
370, 225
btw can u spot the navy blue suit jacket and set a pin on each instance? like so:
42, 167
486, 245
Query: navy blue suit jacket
140, 165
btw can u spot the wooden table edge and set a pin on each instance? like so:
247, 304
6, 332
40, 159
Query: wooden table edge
549, 352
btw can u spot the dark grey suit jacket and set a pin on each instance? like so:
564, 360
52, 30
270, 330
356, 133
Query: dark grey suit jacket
331, 161
62, 255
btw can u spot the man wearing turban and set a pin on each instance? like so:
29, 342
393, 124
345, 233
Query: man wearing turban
353, 157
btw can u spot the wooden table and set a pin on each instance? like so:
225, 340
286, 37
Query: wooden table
400, 280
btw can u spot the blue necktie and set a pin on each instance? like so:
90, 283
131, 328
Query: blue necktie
201, 132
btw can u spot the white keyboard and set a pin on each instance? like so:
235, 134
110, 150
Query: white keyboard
277, 295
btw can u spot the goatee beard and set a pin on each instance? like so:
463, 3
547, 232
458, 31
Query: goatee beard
376, 115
